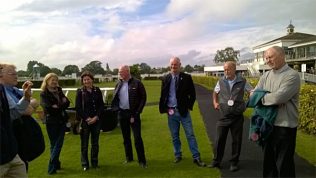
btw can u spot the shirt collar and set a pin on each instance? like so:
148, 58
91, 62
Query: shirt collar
283, 68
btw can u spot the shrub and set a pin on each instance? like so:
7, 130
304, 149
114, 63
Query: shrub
307, 110
207, 81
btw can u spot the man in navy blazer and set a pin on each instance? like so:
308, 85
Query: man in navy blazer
177, 98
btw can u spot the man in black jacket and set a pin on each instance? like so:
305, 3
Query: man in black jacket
129, 99
11, 164
177, 98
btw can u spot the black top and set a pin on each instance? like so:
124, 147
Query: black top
185, 94
137, 96
8, 142
89, 103
54, 115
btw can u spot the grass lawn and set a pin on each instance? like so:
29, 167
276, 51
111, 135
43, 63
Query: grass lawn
158, 149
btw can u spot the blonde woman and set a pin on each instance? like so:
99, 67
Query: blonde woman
54, 103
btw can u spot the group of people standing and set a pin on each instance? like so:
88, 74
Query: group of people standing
176, 100
282, 86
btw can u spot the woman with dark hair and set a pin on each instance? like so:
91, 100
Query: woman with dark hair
54, 103
89, 107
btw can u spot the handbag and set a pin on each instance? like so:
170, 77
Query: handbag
108, 120
29, 136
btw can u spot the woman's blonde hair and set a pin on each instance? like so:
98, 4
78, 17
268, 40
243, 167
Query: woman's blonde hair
46, 78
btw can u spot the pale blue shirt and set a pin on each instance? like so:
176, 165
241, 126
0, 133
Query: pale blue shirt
123, 95
16, 106
172, 100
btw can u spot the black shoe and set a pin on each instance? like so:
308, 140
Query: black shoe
143, 165
52, 172
177, 159
127, 161
199, 162
95, 166
214, 165
58, 167
233, 167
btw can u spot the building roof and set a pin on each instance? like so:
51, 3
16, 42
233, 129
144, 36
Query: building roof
290, 37
310, 40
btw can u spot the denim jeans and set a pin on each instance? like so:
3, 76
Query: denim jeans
56, 134
174, 126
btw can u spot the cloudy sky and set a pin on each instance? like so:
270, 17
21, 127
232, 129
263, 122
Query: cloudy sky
62, 32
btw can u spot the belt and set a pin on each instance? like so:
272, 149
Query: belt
125, 110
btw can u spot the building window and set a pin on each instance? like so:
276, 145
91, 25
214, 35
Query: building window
300, 52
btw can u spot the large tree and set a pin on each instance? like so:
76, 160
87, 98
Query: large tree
94, 67
188, 68
144, 68
41, 67
56, 71
134, 70
70, 69
227, 54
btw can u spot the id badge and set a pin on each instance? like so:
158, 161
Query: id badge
170, 112
230, 102
68, 124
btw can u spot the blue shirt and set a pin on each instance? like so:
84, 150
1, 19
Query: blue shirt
17, 105
172, 100
123, 95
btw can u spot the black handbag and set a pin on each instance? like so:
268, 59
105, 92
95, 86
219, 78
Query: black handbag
108, 120
28, 133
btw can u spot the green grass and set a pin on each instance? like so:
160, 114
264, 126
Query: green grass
306, 146
158, 149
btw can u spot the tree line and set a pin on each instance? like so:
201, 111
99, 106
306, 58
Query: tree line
96, 68
137, 69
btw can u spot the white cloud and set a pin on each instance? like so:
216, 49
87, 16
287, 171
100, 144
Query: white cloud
61, 32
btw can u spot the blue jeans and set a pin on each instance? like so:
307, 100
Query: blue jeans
56, 134
174, 126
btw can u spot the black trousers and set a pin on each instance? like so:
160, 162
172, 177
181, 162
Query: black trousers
236, 129
124, 118
278, 160
94, 130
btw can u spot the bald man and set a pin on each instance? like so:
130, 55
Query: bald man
129, 98
228, 98
177, 98
283, 83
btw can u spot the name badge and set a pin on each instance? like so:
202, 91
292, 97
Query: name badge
68, 124
170, 112
230, 102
